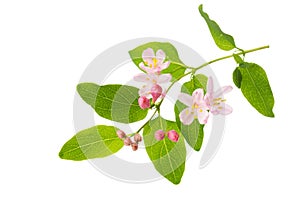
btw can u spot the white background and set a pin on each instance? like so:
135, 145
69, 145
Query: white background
46, 45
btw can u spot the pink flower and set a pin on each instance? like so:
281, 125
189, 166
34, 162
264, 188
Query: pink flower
173, 135
215, 100
144, 102
159, 135
153, 63
121, 134
197, 107
151, 80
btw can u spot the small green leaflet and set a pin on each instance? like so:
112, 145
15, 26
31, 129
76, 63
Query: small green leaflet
167, 157
256, 88
237, 59
176, 67
192, 133
95, 142
237, 77
222, 40
114, 102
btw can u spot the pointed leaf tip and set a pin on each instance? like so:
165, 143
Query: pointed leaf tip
222, 40
95, 142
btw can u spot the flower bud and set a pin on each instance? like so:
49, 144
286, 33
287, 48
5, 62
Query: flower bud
144, 102
121, 134
173, 135
127, 141
134, 146
159, 135
137, 138
156, 92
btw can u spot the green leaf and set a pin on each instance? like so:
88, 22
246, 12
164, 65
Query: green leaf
167, 157
237, 77
222, 40
114, 102
256, 88
192, 133
238, 59
176, 67
95, 142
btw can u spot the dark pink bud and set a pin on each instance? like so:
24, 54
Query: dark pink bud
144, 102
121, 134
159, 135
173, 135
156, 92
134, 146
127, 141
137, 138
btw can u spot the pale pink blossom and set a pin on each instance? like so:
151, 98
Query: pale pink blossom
159, 135
144, 102
215, 100
151, 80
197, 107
173, 135
153, 63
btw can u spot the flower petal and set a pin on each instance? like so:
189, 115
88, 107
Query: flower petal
224, 109
214, 110
164, 78
185, 99
145, 90
145, 68
202, 116
203, 105
208, 99
148, 56
164, 65
160, 56
222, 91
153, 78
198, 95
187, 116
142, 77
210, 85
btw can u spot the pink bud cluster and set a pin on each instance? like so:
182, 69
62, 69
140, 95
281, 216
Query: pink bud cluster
156, 91
172, 135
128, 141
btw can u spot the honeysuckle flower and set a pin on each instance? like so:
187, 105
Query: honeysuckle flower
159, 135
173, 135
144, 102
151, 80
215, 100
154, 63
197, 107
